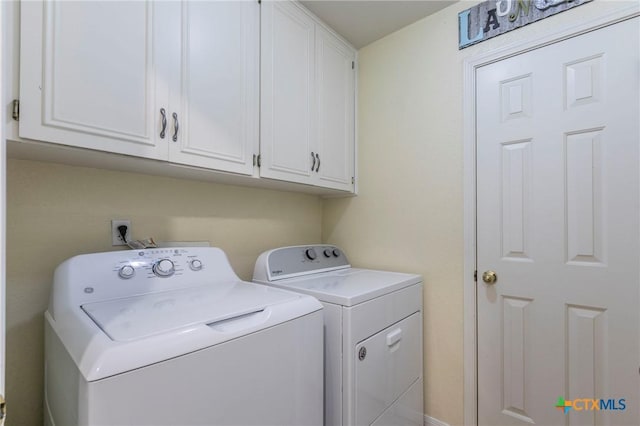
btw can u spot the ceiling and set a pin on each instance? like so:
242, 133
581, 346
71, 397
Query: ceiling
364, 21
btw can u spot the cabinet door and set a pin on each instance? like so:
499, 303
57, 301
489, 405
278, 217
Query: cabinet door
335, 74
217, 93
287, 93
90, 75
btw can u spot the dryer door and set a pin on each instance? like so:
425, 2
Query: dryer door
386, 365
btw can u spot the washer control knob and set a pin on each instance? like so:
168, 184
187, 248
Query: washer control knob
164, 268
327, 253
195, 265
310, 254
126, 272
336, 253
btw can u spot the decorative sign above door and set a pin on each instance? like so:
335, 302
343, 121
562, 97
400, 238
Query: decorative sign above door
494, 17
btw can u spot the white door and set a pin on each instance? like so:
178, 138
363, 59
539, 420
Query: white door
217, 94
3, 216
335, 75
558, 212
287, 93
91, 75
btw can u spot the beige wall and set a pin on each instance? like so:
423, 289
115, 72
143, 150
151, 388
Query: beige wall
409, 213
407, 217
56, 211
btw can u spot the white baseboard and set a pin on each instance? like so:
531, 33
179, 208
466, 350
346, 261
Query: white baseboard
431, 421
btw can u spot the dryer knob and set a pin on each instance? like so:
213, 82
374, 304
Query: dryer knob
164, 268
336, 253
310, 254
327, 253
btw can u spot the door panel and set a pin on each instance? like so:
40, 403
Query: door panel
336, 97
558, 196
218, 93
89, 75
287, 95
516, 199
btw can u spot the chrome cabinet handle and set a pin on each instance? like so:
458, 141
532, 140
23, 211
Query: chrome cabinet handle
313, 165
176, 126
318, 167
164, 123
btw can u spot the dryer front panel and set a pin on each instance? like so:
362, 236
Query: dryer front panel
386, 365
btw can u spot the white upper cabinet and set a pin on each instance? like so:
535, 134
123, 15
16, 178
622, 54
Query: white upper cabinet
287, 137
174, 81
216, 99
335, 94
248, 89
308, 99
90, 78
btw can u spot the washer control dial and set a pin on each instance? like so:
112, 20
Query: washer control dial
336, 253
126, 272
164, 268
327, 253
310, 254
195, 265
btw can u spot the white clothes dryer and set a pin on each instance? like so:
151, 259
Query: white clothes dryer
173, 337
373, 333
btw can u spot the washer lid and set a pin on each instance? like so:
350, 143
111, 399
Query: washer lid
350, 286
141, 316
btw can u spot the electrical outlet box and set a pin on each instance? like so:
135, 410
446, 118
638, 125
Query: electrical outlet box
116, 237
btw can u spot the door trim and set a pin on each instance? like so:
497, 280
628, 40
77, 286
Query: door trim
470, 65
4, 94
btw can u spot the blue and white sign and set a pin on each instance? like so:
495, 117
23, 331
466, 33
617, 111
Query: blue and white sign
494, 17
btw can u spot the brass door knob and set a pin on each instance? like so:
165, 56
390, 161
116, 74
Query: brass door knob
489, 277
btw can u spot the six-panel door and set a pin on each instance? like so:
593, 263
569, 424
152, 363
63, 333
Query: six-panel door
557, 204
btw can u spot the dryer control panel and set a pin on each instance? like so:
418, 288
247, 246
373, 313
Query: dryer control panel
288, 262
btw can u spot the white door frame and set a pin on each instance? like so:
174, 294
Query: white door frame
469, 147
3, 205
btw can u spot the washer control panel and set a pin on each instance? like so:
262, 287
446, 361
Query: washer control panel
163, 263
95, 277
164, 268
286, 262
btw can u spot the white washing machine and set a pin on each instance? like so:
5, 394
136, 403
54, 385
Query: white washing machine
373, 333
173, 337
